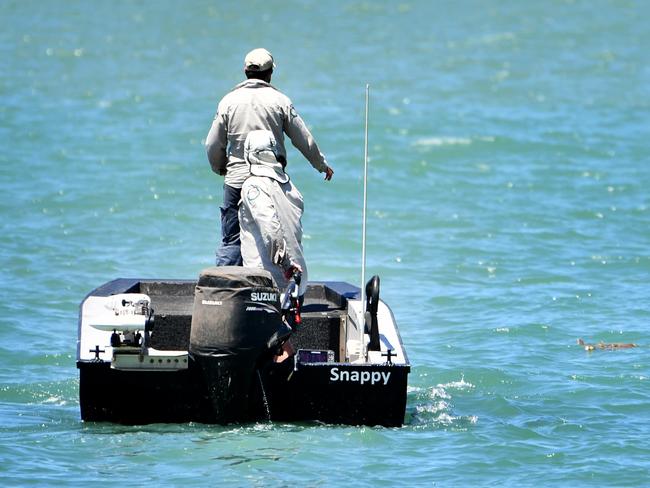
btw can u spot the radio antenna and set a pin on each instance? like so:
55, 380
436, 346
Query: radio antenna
363, 227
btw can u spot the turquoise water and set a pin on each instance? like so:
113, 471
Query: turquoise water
508, 216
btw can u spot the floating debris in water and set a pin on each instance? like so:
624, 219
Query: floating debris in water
611, 346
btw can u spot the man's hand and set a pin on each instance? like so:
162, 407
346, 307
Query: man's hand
329, 172
288, 274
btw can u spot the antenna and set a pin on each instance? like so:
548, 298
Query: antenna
363, 227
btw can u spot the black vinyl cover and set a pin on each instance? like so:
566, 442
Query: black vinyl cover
236, 310
235, 277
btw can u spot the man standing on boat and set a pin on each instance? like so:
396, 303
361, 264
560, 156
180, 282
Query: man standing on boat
270, 212
253, 104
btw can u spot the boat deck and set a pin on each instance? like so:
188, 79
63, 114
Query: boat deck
172, 302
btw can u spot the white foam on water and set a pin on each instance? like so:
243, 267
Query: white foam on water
458, 385
442, 141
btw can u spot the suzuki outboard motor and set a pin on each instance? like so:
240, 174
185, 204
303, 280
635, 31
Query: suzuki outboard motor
236, 325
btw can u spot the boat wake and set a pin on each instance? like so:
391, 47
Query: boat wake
433, 407
52, 393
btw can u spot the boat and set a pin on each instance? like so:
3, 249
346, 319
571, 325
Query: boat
162, 351
230, 347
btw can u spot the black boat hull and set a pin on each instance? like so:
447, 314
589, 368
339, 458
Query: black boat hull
284, 394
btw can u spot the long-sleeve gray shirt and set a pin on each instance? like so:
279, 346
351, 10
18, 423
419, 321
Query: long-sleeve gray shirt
255, 105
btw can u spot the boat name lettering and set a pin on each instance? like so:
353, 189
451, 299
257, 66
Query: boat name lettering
211, 302
263, 296
360, 377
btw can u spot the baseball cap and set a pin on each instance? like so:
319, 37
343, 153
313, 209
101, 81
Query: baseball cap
258, 60
261, 154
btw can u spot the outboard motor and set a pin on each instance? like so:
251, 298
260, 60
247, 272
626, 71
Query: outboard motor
236, 326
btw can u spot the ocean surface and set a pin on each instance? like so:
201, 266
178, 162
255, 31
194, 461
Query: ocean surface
508, 216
